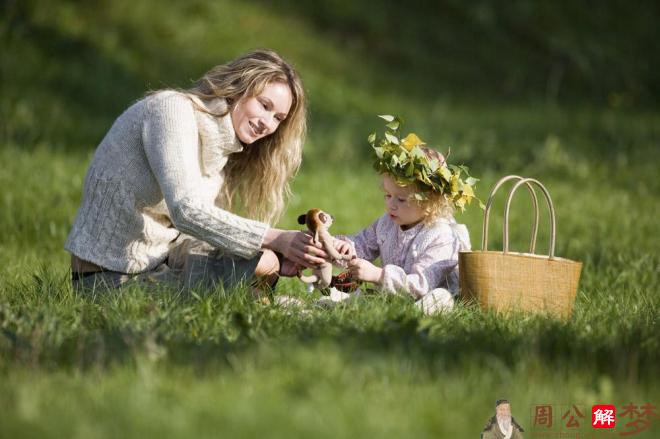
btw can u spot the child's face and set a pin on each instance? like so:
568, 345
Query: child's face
402, 208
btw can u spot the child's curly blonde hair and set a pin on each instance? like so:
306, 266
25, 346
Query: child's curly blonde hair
436, 207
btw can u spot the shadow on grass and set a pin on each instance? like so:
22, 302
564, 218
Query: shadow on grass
204, 332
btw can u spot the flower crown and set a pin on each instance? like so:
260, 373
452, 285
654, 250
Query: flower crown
407, 163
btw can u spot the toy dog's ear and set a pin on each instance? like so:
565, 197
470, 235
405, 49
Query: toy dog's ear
302, 219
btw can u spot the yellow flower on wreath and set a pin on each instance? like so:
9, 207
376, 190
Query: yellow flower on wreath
411, 141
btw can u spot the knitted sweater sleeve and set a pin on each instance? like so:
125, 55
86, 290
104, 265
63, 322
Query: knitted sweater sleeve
170, 139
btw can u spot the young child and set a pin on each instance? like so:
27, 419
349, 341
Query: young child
417, 240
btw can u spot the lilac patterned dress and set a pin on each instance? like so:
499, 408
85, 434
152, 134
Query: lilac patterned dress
415, 261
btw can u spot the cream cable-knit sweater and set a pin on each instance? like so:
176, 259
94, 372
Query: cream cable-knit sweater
157, 174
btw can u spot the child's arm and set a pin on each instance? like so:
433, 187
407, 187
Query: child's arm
427, 273
365, 271
365, 242
430, 269
434, 261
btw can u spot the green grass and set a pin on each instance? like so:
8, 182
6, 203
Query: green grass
139, 363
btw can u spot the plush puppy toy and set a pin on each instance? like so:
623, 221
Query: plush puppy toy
318, 222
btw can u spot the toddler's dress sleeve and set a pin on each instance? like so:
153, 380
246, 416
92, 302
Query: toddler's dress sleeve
364, 242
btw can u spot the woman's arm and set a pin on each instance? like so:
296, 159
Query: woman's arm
170, 139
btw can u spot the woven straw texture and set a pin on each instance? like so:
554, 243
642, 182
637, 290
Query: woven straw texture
528, 282
519, 281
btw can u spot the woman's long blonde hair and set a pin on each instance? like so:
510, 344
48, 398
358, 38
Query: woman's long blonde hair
259, 176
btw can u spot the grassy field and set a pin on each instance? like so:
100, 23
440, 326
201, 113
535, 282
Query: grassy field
145, 364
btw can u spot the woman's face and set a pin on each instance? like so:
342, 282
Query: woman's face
255, 117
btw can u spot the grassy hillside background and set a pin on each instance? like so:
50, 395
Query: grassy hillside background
562, 91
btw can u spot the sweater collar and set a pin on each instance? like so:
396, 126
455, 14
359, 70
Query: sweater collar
217, 136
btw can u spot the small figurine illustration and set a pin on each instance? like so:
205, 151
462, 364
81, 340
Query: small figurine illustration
502, 425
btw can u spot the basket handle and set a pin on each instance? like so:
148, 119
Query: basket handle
484, 235
551, 207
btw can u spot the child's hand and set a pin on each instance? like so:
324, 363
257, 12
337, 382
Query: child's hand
365, 270
343, 247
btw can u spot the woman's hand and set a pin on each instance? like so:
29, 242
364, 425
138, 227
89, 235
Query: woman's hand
289, 268
365, 270
298, 247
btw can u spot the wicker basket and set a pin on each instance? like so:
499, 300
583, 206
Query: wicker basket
505, 281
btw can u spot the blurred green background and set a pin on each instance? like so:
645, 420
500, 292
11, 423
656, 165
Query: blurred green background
70, 67
565, 91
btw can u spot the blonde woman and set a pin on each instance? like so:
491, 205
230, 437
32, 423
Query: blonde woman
159, 193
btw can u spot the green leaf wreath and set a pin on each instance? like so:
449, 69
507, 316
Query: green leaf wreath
403, 159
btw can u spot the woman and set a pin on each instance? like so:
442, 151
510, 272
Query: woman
159, 190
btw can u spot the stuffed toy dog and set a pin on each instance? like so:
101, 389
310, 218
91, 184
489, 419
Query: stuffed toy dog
318, 222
